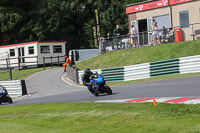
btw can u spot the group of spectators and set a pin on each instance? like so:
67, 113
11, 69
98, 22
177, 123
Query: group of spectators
165, 36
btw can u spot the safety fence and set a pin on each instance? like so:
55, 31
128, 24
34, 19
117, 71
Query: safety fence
182, 65
14, 87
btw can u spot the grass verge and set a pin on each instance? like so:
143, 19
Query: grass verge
141, 55
20, 75
100, 118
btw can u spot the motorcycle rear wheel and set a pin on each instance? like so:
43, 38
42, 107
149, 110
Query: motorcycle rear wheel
108, 89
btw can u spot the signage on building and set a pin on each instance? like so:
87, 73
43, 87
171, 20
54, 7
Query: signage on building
147, 6
173, 2
153, 5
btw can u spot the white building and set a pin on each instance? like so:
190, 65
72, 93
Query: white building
32, 53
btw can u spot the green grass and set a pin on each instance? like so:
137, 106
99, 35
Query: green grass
19, 75
141, 55
100, 118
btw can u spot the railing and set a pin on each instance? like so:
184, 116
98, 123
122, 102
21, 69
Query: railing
19, 62
144, 38
53, 61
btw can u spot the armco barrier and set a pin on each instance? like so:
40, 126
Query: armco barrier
190, 64
182, 65
165, 67
14, 87
113, 74
133, 72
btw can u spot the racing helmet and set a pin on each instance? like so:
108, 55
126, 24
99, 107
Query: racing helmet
87, 70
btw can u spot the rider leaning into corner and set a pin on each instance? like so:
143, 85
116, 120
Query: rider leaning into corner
88, 80
86, 76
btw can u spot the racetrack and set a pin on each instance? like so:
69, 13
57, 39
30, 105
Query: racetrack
48, 87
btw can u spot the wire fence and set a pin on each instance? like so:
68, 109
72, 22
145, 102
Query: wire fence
176, 34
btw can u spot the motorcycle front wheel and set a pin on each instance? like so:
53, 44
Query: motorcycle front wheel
92, 91
107, 89
9, 99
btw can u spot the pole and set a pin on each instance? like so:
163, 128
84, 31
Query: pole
10, 70
51, 62
44, 63
58, 61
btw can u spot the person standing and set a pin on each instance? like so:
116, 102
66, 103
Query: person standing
133, 33
155, 35
117, 33
68, 62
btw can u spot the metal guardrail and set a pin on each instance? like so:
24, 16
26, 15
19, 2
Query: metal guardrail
134, 72
182, 65
189, 64
165, 67
14, 87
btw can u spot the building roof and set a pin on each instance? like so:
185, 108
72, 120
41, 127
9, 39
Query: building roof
27, 43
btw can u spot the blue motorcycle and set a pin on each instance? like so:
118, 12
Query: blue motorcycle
4, 97
97, 85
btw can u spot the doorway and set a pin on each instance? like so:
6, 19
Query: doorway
143, 31
21, 55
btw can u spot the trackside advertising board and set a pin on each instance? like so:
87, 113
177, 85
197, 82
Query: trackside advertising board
153, 5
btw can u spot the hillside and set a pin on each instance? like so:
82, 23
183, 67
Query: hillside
141, 55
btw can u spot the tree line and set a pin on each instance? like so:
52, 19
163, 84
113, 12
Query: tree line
56, 20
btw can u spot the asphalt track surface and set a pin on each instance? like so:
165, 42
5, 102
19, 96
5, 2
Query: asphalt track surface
48, 87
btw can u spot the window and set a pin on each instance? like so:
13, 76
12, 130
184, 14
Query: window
184, 19
44, 49
12, 52
30, 50
162, 21
57, 49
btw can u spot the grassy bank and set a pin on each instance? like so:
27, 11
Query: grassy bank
19, 75
141, 55
100, 118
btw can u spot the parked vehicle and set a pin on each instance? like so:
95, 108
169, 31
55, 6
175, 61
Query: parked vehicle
4, 97
97, 85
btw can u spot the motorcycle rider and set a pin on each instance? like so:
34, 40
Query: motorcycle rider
86, 76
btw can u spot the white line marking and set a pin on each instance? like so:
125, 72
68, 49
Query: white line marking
62, 78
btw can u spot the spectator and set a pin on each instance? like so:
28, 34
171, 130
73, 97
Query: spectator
163, 35
170, 35
133, 33
117, 33
155, 35
117, 30
109, 41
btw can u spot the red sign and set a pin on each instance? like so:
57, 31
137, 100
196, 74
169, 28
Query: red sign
173, 2
147, 6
